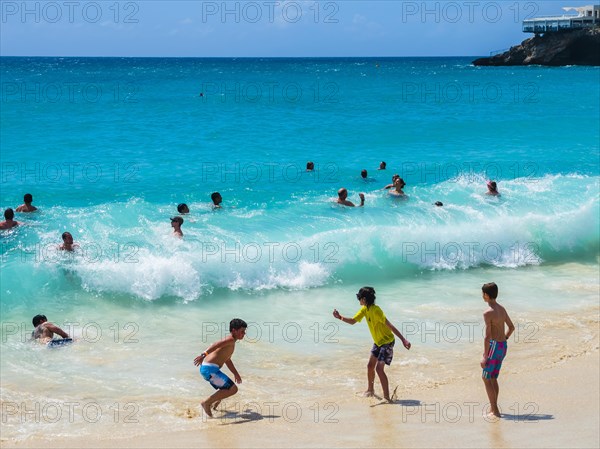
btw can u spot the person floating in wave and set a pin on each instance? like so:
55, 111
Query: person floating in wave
8, 222
183, 208
310, 166
438, 204
211, 361
394, 177
27, 207
343, 194
44, 332
398, 186
217, 199
176, 223
364, 174
382, 332
67, 244
494, 343
382, 165
492, 188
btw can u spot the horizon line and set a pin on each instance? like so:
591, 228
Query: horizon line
239, 57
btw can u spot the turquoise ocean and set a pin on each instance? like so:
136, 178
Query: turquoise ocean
109, 146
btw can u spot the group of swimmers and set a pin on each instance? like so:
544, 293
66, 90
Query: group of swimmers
68, 245
183, 209
382, 330
395, 190
9, 214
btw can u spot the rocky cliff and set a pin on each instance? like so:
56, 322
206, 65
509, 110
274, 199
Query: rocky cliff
572, 47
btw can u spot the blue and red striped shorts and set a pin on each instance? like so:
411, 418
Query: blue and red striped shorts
495, 357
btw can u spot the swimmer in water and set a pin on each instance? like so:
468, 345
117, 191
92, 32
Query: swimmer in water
343, 195
217, 199
389, 186
398, 186
27, 207
8, 222
68, 244
176, 223
44, 330
492, 189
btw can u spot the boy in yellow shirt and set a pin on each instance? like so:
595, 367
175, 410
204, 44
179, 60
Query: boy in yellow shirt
382, 332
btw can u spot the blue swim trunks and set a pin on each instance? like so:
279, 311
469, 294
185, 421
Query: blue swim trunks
495, 357
383, 353
59, 342
217, 378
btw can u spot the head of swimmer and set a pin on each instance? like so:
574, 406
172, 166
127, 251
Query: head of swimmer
39, 319
216, 198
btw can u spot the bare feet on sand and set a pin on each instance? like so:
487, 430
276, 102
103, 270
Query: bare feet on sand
206, 408
369, 394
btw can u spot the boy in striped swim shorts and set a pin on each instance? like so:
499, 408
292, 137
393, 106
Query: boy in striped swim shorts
494, 343
211, 362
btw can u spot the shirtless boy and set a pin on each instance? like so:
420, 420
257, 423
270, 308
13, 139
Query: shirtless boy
494, 343
9, 221
212, 360
44, 330
27, 206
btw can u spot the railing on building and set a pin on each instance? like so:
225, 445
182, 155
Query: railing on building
586, 19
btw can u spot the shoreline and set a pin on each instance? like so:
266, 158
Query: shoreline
545, 406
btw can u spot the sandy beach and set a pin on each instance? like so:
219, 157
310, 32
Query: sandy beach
173, 167
548, 398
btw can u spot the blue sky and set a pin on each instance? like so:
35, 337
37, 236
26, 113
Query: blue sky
265, 28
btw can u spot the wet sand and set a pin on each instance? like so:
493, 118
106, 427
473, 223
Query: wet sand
548, 398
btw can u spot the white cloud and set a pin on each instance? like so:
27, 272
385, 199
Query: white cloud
359, 19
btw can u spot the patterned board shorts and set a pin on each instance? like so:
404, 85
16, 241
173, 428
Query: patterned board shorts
217, 378
383, 353
495, 357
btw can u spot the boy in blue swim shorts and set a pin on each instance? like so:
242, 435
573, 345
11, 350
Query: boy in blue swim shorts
212, 360
495, 343
382, 332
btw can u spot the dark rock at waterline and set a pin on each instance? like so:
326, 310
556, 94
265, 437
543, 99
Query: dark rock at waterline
567, 47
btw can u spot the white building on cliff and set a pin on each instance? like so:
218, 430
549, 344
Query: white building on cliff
587, 17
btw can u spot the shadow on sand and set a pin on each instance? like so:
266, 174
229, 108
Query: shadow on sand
527, 417
403, 403
246, 416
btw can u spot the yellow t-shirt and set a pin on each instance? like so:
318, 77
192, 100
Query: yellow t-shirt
382, 335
